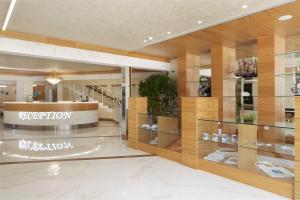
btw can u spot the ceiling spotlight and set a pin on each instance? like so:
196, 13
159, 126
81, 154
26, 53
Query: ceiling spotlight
145, 41
285, 17
150, 38
169, 33
244, 6
9, 12
199, 22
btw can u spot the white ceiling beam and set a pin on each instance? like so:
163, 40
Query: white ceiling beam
49, 51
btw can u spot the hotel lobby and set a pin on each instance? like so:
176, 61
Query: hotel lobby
149, 100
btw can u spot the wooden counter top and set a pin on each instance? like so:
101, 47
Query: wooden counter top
49, 106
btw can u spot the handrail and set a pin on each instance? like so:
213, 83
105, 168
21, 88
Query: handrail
104, 92
115, 100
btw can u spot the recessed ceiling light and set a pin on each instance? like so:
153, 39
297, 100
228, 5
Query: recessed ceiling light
33, 85
285, 17
199, 22
169, 33
244, 6
10, 9
150, 38
145, 41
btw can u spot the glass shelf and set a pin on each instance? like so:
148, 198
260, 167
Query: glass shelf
294, 54
203, 66
160, 131
169, 131
219, 143
288, 75
281, 149
237, 121
273, 152
239, 78
261, 96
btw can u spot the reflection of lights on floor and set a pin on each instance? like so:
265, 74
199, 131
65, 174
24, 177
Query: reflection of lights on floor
53, 169
55, 157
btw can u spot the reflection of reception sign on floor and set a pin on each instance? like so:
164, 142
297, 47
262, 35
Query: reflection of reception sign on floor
40, 146
50, 113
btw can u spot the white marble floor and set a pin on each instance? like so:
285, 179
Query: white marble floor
144, 178
17, 145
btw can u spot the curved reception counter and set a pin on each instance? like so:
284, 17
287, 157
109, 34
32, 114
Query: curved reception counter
50, 114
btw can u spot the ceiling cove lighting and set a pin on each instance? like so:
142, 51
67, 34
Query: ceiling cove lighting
8, 15
53, 79
285, 17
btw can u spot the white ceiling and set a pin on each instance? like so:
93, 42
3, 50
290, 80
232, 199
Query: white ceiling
124, 24
47, 65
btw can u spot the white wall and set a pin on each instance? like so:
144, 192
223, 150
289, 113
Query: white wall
23, 89
23, 85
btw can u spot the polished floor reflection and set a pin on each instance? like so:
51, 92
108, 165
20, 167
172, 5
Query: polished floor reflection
103, 141
96, 164
144, 178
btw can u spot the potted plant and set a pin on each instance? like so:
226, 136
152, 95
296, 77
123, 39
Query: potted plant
161, 92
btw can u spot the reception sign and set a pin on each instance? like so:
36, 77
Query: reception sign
44, 115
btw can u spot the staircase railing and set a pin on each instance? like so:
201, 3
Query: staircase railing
106, 96
104, 92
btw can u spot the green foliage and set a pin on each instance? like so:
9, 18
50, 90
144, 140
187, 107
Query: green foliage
248, 118
161, 92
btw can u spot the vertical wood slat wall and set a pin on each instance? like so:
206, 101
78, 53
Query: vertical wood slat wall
192, 109
297, 150
268, 47
222, 60
136, 105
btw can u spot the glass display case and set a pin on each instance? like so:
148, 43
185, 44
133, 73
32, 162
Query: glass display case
264, 150
160, 131
240, 88
198, 81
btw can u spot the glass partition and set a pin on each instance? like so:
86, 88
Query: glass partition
160, 131
260, 149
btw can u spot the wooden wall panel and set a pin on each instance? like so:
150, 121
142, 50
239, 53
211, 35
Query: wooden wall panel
268, 47
181, 76
48, 107
136, 105
194, 108
222, 59
297, 149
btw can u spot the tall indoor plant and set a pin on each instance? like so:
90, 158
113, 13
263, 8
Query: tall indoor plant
161, 92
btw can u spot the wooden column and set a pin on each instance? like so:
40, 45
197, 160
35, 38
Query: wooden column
268, 47
136, 105
192, 109
297, 149
222, 66
181, 76
185, 78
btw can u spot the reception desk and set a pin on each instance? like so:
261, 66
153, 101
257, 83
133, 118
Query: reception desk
51, 114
